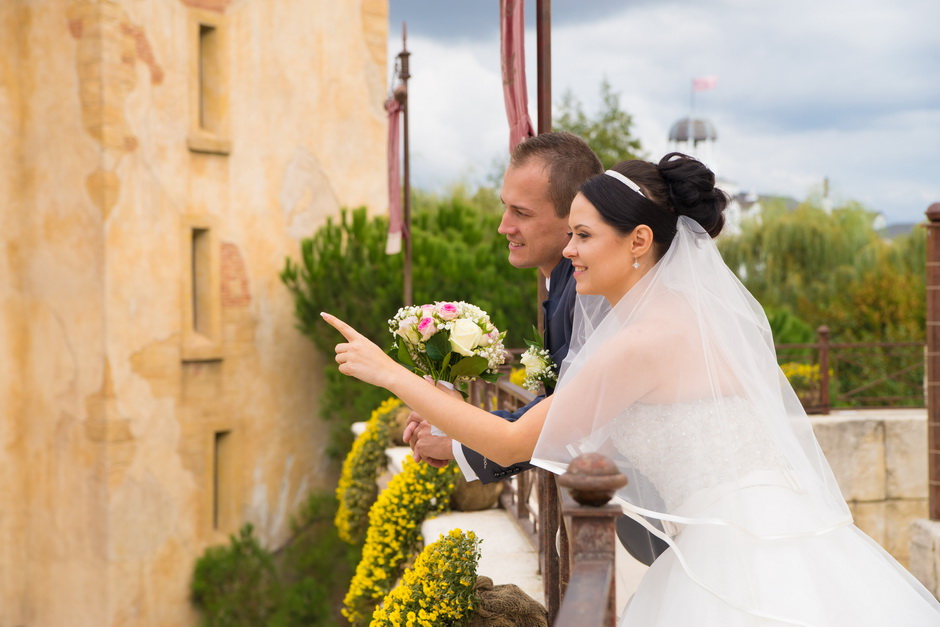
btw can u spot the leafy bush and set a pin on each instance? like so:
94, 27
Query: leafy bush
357, 490
245, 585
438, 590
237, 584
457, 255
419, 491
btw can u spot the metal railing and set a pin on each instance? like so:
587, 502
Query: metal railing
856, 374
533, 501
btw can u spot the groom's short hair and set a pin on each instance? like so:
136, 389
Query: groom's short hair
569, 162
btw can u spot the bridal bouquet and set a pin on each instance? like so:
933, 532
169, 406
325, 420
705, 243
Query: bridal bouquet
447, 341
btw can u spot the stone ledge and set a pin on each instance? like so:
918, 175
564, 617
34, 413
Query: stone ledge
925, 553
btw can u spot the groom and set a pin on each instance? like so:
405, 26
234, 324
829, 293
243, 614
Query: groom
544, 174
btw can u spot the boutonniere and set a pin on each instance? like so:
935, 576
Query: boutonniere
539, 369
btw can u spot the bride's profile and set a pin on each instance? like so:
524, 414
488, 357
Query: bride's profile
678, 382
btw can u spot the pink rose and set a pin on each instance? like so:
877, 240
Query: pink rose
426, 328
447, 311
489, 338
427, 310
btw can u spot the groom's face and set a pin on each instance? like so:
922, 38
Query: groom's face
537, 235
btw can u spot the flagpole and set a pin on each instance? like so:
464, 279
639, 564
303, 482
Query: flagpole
404, 75
543, 31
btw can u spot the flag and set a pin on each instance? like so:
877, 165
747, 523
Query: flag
395, 218
512, 55
704, 82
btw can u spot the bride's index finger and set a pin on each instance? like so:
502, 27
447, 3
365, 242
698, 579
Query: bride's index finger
348, 332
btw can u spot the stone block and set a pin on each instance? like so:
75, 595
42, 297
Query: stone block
856, 452
906, 457
925, 553
898, 517
870, 518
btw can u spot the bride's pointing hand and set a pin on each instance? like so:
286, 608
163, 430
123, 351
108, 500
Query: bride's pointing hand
360, 358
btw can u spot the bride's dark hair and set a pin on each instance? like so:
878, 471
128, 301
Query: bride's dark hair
678, 185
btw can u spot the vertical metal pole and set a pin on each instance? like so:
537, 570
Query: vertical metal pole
543, 30
933, 361
822, 338
404, 75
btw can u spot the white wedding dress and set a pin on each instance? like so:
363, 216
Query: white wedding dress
679, 386
834, 576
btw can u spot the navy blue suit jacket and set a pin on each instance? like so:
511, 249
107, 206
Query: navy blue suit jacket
558, 314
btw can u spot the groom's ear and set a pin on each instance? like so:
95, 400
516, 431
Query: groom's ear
642, 237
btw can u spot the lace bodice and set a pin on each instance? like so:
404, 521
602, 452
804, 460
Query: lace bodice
686, 448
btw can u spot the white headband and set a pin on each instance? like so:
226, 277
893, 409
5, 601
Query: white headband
620, 177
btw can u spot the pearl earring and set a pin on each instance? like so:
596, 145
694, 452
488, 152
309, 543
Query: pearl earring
636, 263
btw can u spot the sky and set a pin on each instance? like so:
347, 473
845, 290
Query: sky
807, 90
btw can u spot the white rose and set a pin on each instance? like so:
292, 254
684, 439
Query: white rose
465, 335
531, 361
407, 328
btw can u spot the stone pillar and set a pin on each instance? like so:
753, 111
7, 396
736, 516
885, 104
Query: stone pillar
925, 534
590, 596
933, 360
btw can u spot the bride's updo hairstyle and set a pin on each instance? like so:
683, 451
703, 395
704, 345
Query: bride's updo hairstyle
678, 185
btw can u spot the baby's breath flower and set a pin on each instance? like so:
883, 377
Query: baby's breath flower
538, 368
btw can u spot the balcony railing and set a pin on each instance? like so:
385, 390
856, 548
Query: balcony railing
856, 374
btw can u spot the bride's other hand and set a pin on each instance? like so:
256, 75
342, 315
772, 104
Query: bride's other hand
359, 357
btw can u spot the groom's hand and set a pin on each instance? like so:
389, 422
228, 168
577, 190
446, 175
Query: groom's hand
436, 450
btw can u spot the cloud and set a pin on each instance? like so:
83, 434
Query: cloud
807, 89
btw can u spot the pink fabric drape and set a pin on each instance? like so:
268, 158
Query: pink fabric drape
512, 52
395, 218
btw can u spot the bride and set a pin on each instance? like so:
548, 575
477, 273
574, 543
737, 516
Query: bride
679, 383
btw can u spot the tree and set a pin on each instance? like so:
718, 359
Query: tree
609, 133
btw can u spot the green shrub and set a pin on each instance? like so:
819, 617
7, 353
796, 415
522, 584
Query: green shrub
343, 269
357, 489
236, 585
301, 584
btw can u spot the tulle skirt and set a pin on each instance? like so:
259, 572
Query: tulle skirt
837, 578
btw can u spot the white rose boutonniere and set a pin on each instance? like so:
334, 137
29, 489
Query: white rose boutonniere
539, 368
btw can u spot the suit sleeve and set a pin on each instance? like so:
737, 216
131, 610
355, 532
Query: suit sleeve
488, 471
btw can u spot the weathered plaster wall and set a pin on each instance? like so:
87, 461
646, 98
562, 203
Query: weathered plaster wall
108, 431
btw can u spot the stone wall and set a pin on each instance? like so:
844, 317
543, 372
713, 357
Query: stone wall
159, 159
879, 458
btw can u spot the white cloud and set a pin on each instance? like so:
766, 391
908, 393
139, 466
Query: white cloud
807, 90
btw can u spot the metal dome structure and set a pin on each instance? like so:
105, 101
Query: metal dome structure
699, 129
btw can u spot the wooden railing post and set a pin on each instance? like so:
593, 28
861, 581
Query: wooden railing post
933, 361
822, 337
549, 559
590, 596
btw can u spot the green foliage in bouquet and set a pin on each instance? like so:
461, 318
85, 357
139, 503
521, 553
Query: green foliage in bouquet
438, 590
357, 490
343, 269
419, 491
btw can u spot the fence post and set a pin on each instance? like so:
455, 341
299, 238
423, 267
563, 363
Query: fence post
591, 596
933, 361
822, 338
